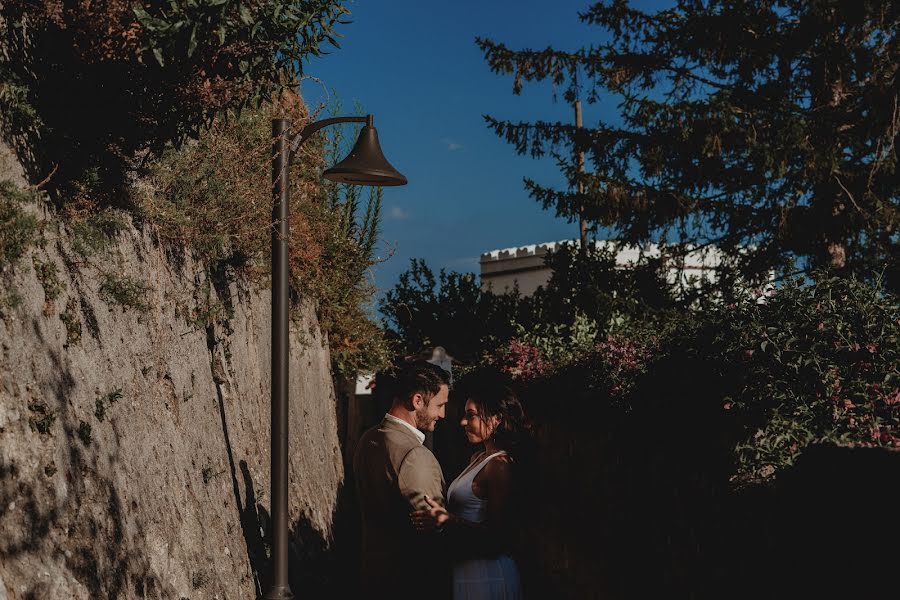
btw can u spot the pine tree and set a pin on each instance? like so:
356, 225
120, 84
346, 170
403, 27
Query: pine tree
765, 128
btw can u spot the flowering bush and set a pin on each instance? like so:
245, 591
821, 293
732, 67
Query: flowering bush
815, 364
619, 361
522, 361
819, 364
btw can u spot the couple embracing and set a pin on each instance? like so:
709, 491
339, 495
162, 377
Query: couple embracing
419, 537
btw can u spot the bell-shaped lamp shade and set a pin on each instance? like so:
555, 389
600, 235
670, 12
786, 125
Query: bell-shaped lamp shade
366, 164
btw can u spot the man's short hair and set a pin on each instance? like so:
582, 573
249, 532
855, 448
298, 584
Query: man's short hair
418, 377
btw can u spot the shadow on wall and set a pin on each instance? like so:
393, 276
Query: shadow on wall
91, 516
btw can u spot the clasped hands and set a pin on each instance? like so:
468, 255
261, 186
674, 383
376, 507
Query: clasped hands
431, 518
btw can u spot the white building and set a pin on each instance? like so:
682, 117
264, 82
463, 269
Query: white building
501, 270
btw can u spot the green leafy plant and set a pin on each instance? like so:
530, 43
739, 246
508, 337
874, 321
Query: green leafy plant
42, 418
99, 410
70, 319
146, 74
93, 228
18, 229
84, 433
125, 291
102, 403
48, 275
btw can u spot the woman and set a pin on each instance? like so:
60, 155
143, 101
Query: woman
481, 500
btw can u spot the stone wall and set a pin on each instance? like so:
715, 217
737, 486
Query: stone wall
134, 460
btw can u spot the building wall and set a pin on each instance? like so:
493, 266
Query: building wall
503, 270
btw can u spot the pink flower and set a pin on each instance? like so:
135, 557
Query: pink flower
523, 361
871, 348
893, 397
848, 404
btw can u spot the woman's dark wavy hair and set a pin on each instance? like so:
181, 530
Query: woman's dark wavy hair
493, 396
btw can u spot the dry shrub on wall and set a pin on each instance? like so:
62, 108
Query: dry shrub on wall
213, 198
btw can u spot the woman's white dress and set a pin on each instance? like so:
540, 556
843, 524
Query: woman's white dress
480, 579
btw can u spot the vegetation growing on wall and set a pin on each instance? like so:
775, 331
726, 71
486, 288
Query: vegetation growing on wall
92, 84
213, 198
18, 230
160, 111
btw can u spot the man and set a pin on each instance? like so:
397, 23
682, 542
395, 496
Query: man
394, 473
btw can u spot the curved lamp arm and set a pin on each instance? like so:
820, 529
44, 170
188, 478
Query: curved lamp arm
314, 127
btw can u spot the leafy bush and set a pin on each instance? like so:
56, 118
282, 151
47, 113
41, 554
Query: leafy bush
586, 299
101, 81
450, 310
817, 362
70, 319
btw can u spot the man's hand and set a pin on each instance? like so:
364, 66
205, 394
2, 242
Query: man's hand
429, 519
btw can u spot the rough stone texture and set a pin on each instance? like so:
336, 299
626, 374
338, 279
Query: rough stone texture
168, 497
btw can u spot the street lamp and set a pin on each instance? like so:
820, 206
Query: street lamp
365, 165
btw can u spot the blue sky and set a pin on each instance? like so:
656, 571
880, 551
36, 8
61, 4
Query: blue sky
415, 66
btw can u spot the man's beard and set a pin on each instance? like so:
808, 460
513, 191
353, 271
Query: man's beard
422, 420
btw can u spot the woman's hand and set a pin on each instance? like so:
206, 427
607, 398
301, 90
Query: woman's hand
431, 518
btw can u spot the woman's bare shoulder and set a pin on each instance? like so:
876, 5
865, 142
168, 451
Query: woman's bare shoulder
499, 467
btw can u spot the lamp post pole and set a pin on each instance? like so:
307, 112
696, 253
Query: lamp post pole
365, 165
280, 588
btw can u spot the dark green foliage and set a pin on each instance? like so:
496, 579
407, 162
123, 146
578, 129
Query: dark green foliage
99, 410
42, 418
99, 82
816, 363
84, 433
93, 230
102, 403
198, 580
586, 298
125, 291
9, 299
449, 310
766, 128
18, 230
48, 276
70, 319
113, 396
